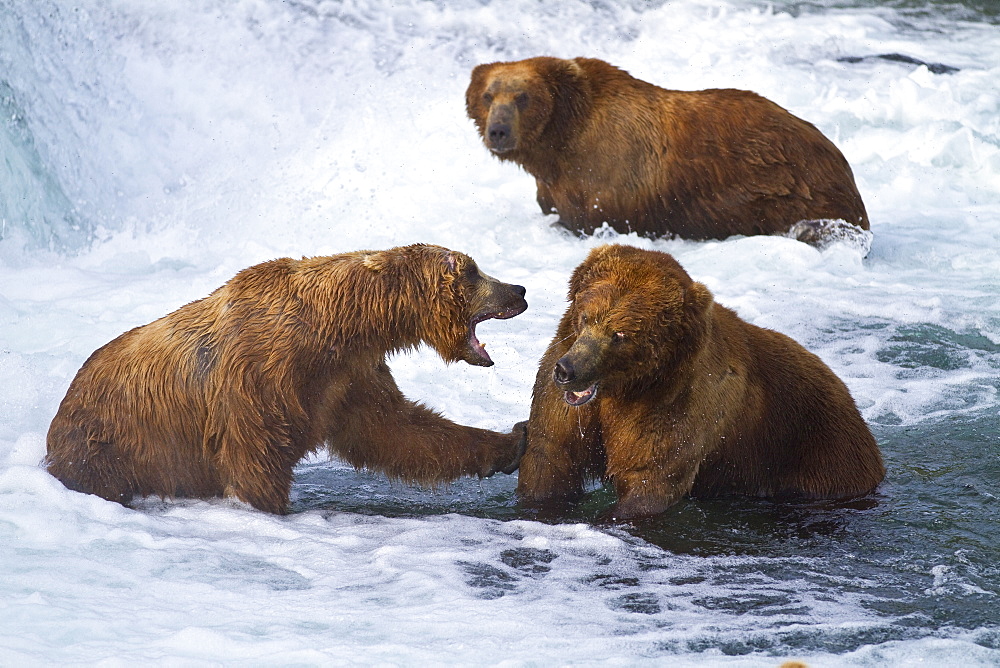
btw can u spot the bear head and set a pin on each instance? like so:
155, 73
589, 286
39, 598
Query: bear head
514, 105
485, 298
634, 317
446, 296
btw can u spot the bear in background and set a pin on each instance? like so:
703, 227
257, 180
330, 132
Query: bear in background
226, 394
651, 385
606, 147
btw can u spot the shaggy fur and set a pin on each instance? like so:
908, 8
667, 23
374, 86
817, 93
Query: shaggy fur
606, 147
651, 385
226, 394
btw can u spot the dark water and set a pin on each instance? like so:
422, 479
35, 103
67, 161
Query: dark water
967, 10
919, 558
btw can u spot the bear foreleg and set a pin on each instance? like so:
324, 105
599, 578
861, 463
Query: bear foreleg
563, 451
380, 429
649, 474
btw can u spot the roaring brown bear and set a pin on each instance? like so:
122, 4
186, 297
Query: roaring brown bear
226, 394
606, 147
651, 385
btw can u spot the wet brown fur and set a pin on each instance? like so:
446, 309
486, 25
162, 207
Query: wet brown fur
606, 147
226, 394
690, 399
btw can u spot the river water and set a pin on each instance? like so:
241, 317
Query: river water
151, 150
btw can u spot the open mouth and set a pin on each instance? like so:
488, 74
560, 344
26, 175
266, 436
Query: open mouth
580, 398
475, 345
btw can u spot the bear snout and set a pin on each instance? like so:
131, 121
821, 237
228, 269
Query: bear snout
500, 137
500, 129
580, 367
566, 377
493, 298
564, 372
508, 300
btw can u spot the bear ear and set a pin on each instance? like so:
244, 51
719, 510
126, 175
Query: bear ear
571, 88
479, 71
572, 68
698, 298
477, 83
577, 280
450, 260
585, 272
374, 261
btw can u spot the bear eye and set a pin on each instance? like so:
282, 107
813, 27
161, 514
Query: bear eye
521, 100
487, 98
618, 337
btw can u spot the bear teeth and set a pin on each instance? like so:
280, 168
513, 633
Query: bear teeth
580, 398
478, 347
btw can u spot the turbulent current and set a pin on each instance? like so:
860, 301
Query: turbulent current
151, 150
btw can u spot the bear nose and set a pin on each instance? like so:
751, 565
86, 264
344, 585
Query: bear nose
564, 372
499, 132
519, 289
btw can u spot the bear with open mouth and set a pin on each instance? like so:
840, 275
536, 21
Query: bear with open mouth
651, 385
223, 396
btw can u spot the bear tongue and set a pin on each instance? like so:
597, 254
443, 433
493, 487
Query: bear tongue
580, 398
478, 348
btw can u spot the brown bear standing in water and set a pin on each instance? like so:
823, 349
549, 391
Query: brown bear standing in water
651, 385
226, 394
606, 147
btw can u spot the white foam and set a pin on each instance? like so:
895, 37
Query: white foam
199, 138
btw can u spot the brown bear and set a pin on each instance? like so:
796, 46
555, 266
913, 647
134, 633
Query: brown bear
226, 394
606, 147
652, 386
